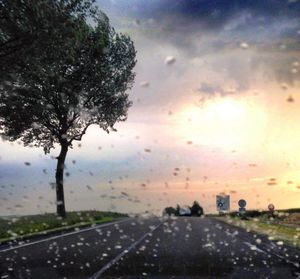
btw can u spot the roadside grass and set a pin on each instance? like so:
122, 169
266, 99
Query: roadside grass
274, 231
15, 228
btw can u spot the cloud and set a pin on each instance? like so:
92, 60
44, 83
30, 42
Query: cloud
209, 27
214, 89
220, 47
213, 14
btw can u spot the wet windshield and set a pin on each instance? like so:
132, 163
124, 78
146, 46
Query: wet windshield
149, 139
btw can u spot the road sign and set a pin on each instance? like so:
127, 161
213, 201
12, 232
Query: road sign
223, 202
242, 203
271, 207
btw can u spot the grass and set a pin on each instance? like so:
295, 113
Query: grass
14, 228
262, 225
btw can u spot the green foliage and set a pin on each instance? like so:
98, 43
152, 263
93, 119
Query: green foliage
288, 234
28, 27
248, 213
290, 210
62, 74
281, 215
16, 226
62, 69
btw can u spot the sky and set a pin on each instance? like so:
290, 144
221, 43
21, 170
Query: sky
215, 111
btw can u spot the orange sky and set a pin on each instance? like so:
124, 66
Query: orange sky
223, 116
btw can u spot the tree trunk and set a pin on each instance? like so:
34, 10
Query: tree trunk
59, 175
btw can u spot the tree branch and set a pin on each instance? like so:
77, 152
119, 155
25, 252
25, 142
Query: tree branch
79, 137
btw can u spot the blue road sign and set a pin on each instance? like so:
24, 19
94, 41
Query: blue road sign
242, 203
223, 202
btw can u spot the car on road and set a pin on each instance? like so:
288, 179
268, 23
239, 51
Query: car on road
185, 211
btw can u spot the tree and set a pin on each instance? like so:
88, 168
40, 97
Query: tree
196, 209
71, 75
170, 211
177, 210
27, 28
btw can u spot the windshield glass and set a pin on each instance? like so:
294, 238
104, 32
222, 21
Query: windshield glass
149, 139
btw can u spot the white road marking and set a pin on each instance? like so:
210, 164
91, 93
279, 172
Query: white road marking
117, 258
297, 265
63, 235
254, 247
272, 245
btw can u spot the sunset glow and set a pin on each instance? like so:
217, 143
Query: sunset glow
224, 122
215, 109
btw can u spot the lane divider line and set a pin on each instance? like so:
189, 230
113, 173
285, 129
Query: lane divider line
272, 245
63, 235
255, 248
297, 265
124, 252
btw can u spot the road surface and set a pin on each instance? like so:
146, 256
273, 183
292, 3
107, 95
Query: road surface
186, 247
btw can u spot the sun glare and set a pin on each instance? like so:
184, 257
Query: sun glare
224, 122
222, 110
226, 110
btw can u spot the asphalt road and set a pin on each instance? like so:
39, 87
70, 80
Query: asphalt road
187, 247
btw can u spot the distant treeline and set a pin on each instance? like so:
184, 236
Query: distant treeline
194, 210
258, 213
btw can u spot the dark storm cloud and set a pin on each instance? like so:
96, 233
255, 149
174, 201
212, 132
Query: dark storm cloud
180, 22
177, 21
203, 28
211, 13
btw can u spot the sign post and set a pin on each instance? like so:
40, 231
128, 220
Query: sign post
223, 203
271, 208
242, 210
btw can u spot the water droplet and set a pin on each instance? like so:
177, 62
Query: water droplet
89, 187
244, 45
144, 84
170, 60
